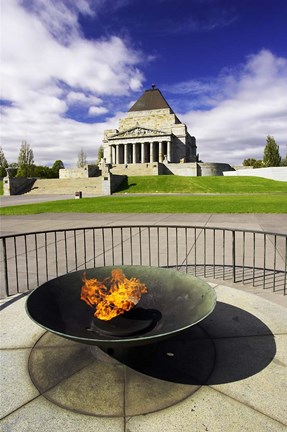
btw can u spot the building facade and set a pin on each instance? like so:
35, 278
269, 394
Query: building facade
149, 133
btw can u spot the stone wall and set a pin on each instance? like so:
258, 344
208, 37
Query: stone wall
182, 169
17, 186
213, 168
146, 169
272, 173
73, 173
110, 183
192, 169
195, 169
160, 119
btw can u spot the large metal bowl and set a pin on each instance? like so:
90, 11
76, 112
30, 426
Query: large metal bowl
174, 302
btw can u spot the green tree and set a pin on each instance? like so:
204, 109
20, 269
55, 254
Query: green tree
25, 161
252, 162
100, 154
57, 165
44, 172
258, 164
3, 163
82, 159
249, 162
284, 161
271, 156
13, 169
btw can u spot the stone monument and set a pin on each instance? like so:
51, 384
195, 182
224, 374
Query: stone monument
150, 132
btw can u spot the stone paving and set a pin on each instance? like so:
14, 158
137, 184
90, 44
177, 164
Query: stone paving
240, 351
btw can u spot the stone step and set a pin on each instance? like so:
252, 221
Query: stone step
90, 186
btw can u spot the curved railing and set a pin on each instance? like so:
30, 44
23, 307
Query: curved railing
220, 254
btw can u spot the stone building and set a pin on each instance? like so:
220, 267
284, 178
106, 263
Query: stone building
149, 133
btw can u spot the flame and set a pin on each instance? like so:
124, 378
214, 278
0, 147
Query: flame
112, 296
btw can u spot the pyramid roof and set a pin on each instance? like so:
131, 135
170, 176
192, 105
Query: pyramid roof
151, 99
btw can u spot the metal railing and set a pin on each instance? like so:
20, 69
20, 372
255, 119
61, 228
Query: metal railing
240, 256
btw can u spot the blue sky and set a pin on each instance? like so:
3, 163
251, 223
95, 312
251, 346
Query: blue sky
70, 69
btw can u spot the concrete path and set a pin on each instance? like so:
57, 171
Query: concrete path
6, 201
30, 223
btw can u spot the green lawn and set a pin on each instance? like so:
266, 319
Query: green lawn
255, 203
231, 195
178, 184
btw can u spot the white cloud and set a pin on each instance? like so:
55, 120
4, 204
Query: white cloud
60, 18
50, 70
75, 97
136, 82
44, 74
254, 106
95, 111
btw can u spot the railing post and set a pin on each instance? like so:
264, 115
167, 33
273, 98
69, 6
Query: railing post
20, 262
285, 274
5, 267
233, 257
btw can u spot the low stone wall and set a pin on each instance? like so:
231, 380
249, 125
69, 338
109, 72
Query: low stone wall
111, 182
17, 186
139, 169
195, 169
213, 168
272, 173
73, 173
188, 169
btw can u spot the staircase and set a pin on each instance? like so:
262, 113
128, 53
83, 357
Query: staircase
88, 186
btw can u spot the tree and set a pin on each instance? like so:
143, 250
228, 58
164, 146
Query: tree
284, 161
249, 162
43, 172
252, 162
271, 156
58, 164
100, 155
13, 169
3, 163
82, 159
258, 164
25, 161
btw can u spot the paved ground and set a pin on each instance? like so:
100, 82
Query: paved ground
12, 200
228, 374
261, 222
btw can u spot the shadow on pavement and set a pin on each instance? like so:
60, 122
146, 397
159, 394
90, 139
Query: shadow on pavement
230, 345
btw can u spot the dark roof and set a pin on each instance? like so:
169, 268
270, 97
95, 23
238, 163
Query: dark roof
150, 100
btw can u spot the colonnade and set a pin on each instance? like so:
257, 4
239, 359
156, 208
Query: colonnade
140, 152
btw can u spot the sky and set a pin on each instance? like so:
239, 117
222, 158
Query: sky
71, 69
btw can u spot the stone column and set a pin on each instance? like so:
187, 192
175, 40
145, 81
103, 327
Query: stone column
134, 153
125, 154
168, 152
118, 154
160, 155
152, 152
143, 153
115, 154
111, 155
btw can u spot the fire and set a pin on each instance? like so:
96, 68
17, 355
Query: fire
112, 296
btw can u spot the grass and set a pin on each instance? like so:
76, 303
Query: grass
178, 184
255, 203
231, 195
